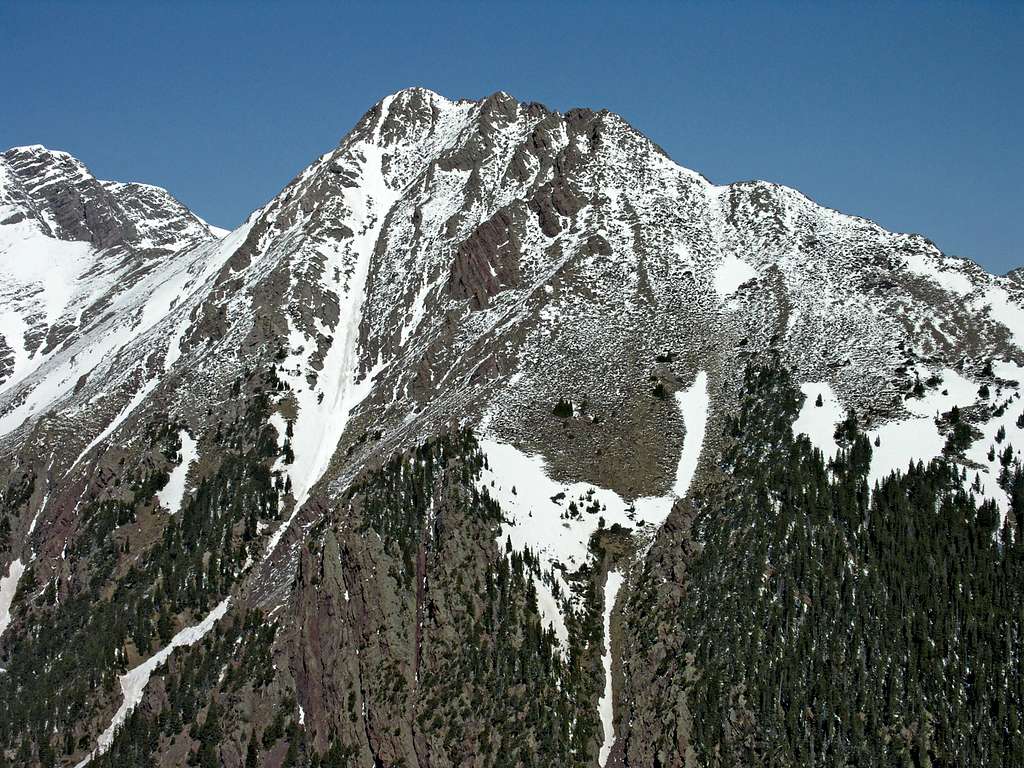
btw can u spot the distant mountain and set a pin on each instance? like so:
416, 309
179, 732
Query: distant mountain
480, 444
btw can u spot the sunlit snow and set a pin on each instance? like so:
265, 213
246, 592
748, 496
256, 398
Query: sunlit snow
987, 477
154, 300
949, 278
324, 410
8, 586
605, 706
918, 438
171, 494
1003, 310
731, 273
694, 404
539, 513
134, 681
818, 422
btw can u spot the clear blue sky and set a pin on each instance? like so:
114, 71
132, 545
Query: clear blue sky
910, 114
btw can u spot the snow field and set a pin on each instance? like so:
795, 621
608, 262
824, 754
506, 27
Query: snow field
149, 305
917, 437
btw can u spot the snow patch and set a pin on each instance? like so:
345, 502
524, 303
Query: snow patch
693, 404
900, 443
605, 706
1004, 310
172, 494
134, 681
8, 586
540, 517
219, 232
730, 274
955, 389
819, 422
949, 279
918, 438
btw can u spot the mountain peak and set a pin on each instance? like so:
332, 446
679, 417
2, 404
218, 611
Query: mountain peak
479, 346
414, 92
36, 150
59, 193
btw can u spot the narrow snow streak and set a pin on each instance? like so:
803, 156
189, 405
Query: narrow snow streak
8, 586
320, 424
319, 428
606, 705
693, 404
137, 398
134, 681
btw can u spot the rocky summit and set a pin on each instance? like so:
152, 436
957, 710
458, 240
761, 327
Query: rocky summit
497, 438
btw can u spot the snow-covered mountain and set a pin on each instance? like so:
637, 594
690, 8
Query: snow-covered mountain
71, 246
553, 281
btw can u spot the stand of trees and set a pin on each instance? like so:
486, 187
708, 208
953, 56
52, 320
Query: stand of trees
835, 625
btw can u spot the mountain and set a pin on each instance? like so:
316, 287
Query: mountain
498, 438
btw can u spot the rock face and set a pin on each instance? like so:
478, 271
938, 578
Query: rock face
58, 193
71, 246
461, 301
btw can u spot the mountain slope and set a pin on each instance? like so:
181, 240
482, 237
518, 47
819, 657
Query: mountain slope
274, 424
